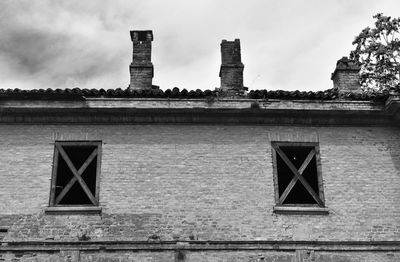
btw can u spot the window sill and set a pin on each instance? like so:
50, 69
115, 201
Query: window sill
301, 210
73, 210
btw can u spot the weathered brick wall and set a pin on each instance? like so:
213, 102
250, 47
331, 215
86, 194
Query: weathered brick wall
212, 181
75, 256
203, 182
347, 81
283, 256
141, 52
141, 76
231, 77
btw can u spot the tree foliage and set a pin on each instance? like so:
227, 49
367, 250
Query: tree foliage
377, 52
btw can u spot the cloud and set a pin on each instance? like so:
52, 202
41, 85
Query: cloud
55, 45
291, 44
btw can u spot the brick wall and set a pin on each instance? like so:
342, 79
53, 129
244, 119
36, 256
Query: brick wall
141, 52
74, 256
141, 76
202, 182
283, 256
231, 77
347, 81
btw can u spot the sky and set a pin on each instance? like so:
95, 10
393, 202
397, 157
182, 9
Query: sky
286, 44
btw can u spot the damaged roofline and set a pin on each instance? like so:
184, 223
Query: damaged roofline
237, 111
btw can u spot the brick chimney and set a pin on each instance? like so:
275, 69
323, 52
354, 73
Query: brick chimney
141, 68
231, 71
346, 76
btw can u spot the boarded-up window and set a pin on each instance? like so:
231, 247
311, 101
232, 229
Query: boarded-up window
76, 171
297, 174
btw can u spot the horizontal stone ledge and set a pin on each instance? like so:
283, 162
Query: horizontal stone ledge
301, 210
381, 246
216, 103
70, 210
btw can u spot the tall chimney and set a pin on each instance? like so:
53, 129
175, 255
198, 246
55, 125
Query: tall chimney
141, 68
346, 76
231, 71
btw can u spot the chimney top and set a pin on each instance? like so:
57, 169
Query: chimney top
141, 35
345, 64
346, 76
230, 52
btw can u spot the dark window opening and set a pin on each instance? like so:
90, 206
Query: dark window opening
293, 164
79, 188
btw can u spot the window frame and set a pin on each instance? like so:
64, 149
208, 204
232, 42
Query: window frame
297, 207
56, 156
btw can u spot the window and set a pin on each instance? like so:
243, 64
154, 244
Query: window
76, 170
297, 174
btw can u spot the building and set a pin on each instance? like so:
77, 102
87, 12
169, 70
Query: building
225, 175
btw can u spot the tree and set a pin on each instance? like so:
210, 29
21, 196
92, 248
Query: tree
378, 54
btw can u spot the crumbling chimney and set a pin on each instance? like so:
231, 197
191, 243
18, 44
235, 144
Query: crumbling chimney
231, 71
346, 76
141, 68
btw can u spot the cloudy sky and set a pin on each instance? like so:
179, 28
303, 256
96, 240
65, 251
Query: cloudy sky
286, 44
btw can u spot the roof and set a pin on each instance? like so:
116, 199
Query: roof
81, 94
77, 105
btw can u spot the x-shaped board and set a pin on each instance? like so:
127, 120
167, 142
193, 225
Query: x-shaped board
298, 175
